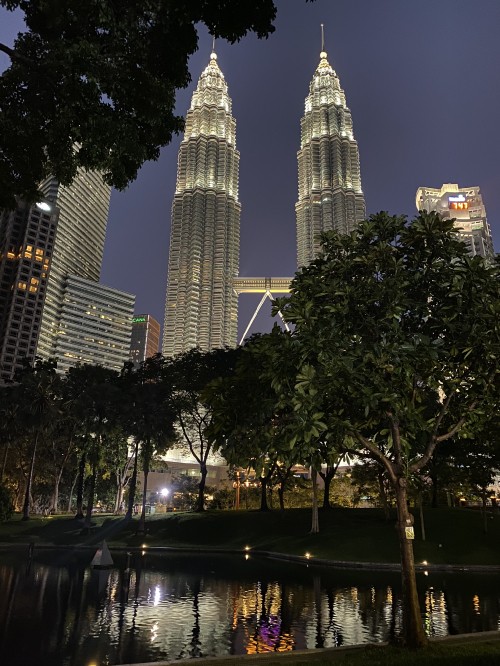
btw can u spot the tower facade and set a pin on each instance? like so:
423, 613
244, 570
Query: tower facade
201, 305
78, 248
330, 193
145, 340
94, 325
27, 236
465, 205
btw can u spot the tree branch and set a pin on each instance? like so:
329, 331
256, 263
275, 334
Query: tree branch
14, 55
376, 454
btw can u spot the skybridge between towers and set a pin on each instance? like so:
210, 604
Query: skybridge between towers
267, 286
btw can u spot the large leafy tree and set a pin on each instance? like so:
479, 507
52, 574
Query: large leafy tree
399, 331
190, 374
103, 75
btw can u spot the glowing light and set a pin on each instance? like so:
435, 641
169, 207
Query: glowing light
157, 596
424, 562
308, 556
144, 545
247, 556
247, 547
42, 205
164, 492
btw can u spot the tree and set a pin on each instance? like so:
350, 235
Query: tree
247, 422
94, 402
399, 334
152, 417
190, 374
102, 76
37, 391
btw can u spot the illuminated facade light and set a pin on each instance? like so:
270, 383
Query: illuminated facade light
201, 307
465, 205
330, 193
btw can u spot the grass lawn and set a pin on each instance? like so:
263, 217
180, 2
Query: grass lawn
454, 536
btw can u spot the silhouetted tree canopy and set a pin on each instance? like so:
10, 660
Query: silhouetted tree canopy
103, 75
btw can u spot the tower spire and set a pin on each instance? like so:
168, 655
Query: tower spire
213, 55
322, 38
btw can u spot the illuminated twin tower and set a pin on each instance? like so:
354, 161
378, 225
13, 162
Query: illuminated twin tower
203, 284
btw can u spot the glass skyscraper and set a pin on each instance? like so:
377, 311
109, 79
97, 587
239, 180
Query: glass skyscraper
201, 305
330, 194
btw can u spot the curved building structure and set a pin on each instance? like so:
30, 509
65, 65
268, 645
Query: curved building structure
330, 194
201, 304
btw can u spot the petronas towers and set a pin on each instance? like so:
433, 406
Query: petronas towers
330, 194
202, 306
203, 285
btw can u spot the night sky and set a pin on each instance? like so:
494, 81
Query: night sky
422, 82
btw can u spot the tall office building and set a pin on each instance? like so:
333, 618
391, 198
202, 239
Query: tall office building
145, 338
94, 325
201, 305
465, 204
27, 236
330, 194
79, 244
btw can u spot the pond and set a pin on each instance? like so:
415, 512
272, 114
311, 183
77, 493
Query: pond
60, 612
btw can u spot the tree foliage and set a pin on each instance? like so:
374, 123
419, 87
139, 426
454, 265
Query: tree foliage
398, 332
102, 75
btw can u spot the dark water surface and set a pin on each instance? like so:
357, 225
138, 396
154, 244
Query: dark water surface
59, 612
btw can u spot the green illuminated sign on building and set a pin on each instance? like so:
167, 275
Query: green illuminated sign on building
138, 320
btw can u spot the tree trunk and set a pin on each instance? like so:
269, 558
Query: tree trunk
484, 511
327, 481
141, 528
55, 496
421, 511
200, 502
4, 464
121, 482
90, 499
315, 518
29, 481
71, 491
263, 494
281, 493
133, 485
434, 500
118, 496
383, 495
79, 488
413, 628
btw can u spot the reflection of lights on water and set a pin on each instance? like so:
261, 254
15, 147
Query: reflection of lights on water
247, 556
426, 573
477, 606
154, 631
157, 596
